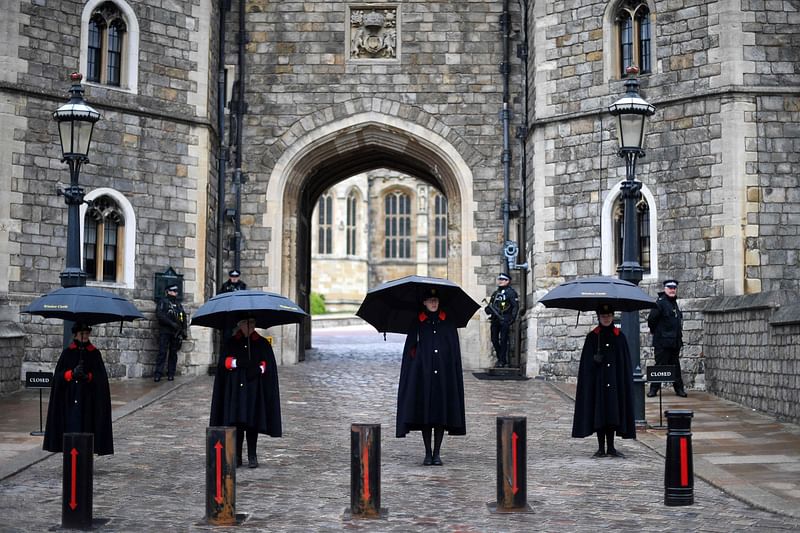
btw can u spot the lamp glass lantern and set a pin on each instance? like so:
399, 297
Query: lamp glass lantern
76, 120
631, 112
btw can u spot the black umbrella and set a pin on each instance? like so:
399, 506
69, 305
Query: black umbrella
585, 294
393, 306
269, 309
84, 304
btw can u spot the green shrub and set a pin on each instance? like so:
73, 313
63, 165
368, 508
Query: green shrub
317, 304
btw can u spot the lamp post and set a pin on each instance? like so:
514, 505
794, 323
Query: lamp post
631, 112
76, 121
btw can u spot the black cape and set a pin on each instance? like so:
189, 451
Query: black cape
243, 395
431, 389
80, 406
604, 396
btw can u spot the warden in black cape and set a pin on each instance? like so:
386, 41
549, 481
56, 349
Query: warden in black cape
430, 394
604, 395
80, 398
246, 393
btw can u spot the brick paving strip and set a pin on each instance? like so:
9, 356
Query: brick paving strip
156, 479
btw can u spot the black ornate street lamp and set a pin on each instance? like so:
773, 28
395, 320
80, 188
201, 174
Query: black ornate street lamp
632, 112
76, 121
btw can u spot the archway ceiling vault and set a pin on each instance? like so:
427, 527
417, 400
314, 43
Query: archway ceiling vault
371, 147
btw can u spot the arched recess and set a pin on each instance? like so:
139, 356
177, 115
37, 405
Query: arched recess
129, 274
331, 152
607, 233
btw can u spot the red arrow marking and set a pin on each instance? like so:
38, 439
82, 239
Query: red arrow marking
684, 462
365, 470
514, 439
218, 497
73, 503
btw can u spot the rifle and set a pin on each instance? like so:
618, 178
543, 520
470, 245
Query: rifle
493, 310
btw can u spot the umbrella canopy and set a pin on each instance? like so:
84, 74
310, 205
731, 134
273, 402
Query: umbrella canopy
585, 294
393, 306
269, 309
84, 304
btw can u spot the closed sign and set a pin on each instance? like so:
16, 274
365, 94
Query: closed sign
661, 374
38, 380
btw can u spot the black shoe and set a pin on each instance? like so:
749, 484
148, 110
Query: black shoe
681, 393
599, 453
437, 461
252, 462
170, 378
614, 453
652, 392
157, 378
428, 461
239, 461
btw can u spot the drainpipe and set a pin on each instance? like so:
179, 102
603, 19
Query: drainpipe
237, 175
505, 68
222, 152
522, 135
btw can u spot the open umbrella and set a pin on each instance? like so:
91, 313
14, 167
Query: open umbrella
585, 294
393, 306
84, 304
269, 309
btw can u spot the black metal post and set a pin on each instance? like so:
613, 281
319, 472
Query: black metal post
365, 471
78, 479
221, 475
679, 467
73, 274
631, 270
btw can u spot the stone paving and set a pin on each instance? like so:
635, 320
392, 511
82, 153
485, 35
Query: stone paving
156, 480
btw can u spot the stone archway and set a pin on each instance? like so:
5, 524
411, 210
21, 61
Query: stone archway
330, 152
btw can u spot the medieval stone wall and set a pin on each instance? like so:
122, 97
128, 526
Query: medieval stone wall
153, 146
446, 70
751, 350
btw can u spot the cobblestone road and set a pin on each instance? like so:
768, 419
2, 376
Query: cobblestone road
156, 480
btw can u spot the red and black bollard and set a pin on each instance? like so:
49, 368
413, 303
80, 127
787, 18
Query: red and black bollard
365, 471
512, 469
76, 505
221, 475
679, 470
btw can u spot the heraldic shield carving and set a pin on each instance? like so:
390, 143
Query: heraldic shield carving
373, 33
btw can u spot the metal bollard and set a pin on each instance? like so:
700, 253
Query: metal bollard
221, 475
679, 470
76, 504
365, 471
512, 468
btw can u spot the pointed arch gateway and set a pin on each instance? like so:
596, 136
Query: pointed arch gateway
328, 153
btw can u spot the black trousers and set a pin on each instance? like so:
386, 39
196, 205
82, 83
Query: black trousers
500, 331
670, 356
168, 346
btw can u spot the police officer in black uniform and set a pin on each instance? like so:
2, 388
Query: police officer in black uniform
666, 325
172, 325
234, 283
502, 310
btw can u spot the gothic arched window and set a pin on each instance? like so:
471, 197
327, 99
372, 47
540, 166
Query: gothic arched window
643, 224
103, 240
104, 56
439, 226
634, 37
325, 222
352, 221
397, 217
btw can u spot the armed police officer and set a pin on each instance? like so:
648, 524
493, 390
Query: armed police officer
172, 325
502, 310
666, 325
234, 282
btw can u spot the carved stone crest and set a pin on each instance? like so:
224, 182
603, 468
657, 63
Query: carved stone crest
373, 32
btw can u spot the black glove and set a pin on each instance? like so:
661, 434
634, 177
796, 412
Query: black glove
78, 373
